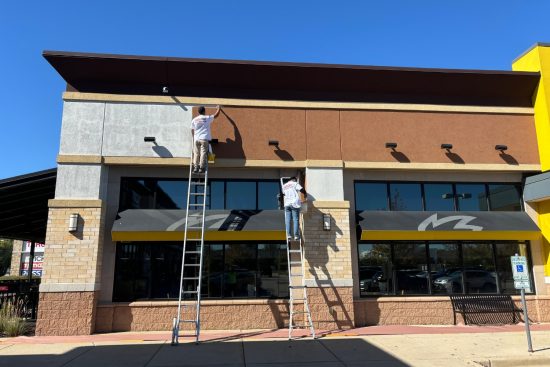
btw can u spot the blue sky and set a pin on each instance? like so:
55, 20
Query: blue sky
463, 34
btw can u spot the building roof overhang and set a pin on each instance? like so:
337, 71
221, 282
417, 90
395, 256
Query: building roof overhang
143, 75
24, 205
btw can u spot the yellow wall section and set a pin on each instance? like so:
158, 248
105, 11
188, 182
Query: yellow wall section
538, 59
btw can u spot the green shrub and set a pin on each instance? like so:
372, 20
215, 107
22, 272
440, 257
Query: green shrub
10, 323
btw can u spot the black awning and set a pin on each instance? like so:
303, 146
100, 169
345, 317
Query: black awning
220, 225
24, 205
382, 225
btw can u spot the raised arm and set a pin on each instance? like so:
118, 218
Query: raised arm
217, 111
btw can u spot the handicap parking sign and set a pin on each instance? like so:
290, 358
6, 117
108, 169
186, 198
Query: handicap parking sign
519, 268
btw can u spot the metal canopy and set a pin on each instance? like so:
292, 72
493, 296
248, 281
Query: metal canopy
220, 225
414, 225
24, 205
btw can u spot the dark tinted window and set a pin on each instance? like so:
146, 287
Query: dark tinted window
240, 195
439, 197
267, 195
505, 197
371, 196
410, 265
479, 268
405, 196
235, 270
375, 270
171, 194
471, 197
217, 196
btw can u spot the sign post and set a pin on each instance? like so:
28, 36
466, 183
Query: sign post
521, 281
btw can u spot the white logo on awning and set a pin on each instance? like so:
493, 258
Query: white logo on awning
462, 222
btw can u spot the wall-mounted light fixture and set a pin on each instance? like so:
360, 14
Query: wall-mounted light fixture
447, 146
501, 147
165, 90
391, 145
150, 139
326, 222
273, 142
73, 222
447, 196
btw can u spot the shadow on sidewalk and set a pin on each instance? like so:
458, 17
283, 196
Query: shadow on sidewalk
325, 352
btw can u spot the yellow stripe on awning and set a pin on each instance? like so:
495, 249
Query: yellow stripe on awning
449, 235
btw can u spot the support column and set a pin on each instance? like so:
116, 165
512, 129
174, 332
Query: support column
72, 268
15, 266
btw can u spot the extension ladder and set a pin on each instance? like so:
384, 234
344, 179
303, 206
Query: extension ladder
297, 288
192, 256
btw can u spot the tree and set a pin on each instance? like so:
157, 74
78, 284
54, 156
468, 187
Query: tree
6, 248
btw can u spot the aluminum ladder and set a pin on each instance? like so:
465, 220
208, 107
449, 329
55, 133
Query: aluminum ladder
192, 256
297, 288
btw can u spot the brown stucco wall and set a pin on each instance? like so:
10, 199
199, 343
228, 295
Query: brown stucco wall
353, 135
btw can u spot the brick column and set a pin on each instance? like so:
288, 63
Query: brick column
328, 265
72, 267
15, 266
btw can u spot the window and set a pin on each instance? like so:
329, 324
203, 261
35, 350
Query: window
505, 197
471, 197
409, 268
371, 196
437, 196
154, 193
230, 270
405, 196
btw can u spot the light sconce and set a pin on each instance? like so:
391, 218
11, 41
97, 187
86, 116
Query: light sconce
165, 90
150, 139
447, 146
274, 143
73, 222
391, 145
326, 222
501, 147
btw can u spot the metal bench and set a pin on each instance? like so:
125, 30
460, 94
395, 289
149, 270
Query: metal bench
484, 304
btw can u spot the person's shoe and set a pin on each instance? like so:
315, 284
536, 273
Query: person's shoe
202, 170
289, 238
296, 238
195, 169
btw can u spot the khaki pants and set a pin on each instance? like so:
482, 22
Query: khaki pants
200, 153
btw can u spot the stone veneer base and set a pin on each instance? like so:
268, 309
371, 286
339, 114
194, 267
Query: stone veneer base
66, 313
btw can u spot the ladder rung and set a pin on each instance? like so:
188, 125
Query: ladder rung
299, 312
191, 204
298, 299
297, 286
188, 321
197, 194
189, 292
295, 262
191, 278
295, 251
197, 183
295, 275
192, 265
192, 252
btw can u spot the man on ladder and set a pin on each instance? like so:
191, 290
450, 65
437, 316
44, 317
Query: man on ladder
200, 129
292, 204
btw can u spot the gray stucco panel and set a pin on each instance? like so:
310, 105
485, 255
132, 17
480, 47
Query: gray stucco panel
537, 187
82, 126
80, 181
127, 124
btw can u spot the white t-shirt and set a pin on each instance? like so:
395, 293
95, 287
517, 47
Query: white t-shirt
291, 190
201, 125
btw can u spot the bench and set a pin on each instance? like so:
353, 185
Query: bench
484, 304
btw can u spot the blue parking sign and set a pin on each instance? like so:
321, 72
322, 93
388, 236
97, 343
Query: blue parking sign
519, 268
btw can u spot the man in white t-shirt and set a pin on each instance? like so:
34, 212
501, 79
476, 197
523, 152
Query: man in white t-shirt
200, 129
292, 203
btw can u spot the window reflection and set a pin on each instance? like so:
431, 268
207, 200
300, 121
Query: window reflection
444, 263
471, 197
505, 276
439, 197
505, 197
375, 270
267, 195
405, 196
411, 268
479, 268
371, 196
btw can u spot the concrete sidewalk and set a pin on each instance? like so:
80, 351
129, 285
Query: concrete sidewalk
372, 346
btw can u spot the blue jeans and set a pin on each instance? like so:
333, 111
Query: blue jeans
292, 213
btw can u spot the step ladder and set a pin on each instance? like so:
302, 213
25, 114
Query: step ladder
192, 256
297, 289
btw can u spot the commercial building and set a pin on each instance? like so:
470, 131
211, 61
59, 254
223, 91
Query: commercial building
421, 171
